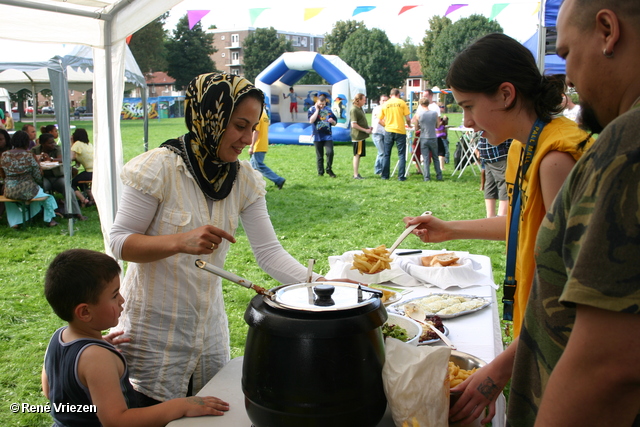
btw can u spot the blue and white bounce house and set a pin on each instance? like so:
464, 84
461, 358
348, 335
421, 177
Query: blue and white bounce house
284, 72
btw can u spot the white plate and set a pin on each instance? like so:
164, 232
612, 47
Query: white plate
427, 342
399, 307
394, 298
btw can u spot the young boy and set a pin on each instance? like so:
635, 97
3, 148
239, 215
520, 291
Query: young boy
322, 118
82, 369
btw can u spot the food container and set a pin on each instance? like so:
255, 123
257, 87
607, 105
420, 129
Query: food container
414, 330
467, 362
314, 355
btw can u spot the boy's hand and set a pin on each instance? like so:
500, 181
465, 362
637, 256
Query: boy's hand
197, 406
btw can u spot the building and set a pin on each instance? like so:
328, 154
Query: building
229, 55
416, 81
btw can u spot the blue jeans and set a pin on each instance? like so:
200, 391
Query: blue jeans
400, 139
378, 141
257, 161
429, 149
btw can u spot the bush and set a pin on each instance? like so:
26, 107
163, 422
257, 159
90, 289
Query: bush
453, 108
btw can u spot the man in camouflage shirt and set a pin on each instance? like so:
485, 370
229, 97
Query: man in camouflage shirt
577, 359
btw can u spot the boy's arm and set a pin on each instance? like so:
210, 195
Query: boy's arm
45, 383
104, 388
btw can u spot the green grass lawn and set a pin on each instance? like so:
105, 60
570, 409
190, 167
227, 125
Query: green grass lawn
313, 216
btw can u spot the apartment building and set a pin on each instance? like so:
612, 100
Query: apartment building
229, 43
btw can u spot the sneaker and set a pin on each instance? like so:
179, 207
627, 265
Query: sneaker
358, 177
320, 174
281, 184
331, 174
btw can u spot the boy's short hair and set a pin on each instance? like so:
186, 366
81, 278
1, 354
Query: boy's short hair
75, 277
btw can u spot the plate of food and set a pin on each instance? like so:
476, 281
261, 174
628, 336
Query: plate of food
446, 306
389, 296
428, 336
445, 269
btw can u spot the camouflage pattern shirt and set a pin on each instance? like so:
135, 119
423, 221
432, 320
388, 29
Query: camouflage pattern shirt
587, 253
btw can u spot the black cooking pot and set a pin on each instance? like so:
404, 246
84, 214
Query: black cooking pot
314, 357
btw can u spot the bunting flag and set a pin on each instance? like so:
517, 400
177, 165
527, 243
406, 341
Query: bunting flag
362, 9
311, 12
255, 12
195, 16
128, 39
405, 8
496, 9
535, 12
453, 8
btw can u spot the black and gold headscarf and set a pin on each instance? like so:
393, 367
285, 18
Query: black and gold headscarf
209, 102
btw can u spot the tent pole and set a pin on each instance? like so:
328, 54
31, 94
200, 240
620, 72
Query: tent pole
145, 116
542, 37
111, 121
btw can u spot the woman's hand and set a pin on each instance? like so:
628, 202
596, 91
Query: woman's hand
112, 338
202, 240
479, 391
431, 229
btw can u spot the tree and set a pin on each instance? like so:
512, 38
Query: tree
408, 50
436, 25
188, 53
452, 40
148, 46
261, 48
376, 59
341, 31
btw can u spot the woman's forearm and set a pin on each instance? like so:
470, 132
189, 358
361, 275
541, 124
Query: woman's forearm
484, 229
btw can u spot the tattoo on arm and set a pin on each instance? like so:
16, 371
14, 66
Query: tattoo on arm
195, 400
489, 389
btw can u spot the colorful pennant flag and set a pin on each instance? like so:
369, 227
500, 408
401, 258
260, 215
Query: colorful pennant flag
128, 39
311, 12
535, 12
195, 16
255, 12
405, 8
361, 9
496, 9
453, 8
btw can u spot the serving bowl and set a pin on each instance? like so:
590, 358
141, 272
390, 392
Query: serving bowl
464, 360
414, 330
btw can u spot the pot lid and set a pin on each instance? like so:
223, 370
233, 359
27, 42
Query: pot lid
325, 296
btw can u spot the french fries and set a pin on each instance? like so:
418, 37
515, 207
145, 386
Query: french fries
414, 423
457, 375
372, 261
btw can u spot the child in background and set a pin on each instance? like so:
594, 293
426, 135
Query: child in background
443, 141
81, 367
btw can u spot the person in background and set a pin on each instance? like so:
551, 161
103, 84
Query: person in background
322, 118
83, 367
258, 151
359, 131
338, 109
82, 154
508, 98
395, 116
587, 268
53, 130
8, 122
31, 131
5, 145
443, 141
571, 110
293, 105
378, 134
182, 201
425, 120
22, 176
494, 166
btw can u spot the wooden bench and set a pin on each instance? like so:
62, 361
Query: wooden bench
23, 207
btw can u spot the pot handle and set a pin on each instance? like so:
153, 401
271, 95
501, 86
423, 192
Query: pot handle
376, 293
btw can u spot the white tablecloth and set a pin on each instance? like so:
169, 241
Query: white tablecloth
477, 334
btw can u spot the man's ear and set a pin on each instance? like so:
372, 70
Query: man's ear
608, 28
83, 312
507, 94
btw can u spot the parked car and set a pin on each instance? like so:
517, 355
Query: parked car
80, 110
48, 110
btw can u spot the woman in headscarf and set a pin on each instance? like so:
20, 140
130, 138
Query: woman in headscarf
183, 201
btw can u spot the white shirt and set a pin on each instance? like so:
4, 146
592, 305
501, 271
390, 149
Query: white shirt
375, 120
572, 113
174, 312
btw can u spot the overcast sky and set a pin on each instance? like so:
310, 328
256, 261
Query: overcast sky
519, 19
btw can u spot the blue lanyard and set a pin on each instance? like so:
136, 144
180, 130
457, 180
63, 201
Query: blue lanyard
526, 157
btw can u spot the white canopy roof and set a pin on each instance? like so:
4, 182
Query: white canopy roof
103, 25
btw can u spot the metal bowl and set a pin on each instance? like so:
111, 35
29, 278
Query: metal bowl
414, 330
465, 361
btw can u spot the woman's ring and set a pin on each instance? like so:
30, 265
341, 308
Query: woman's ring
213, 246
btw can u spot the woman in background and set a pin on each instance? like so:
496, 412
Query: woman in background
53, 130
22, 176
82, 154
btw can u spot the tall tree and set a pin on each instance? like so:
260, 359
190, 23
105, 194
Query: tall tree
408, 50
376, 59
188, 53
148, 46
261, 48
436, 25
341, 31
452, 40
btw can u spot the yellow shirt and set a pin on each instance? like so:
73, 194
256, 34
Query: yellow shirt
84, 154
262, 144
394, 112
561, 134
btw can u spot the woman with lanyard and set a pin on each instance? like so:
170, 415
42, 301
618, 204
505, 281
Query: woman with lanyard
502, 93
183, 201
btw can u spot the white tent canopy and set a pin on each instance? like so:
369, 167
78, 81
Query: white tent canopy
104, 26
